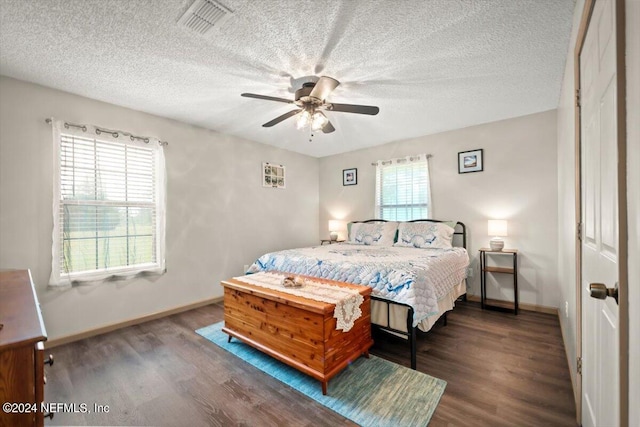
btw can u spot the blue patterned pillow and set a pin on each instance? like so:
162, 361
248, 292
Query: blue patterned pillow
424, 235
374, 234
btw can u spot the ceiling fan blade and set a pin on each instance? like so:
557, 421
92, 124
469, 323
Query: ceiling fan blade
281, 118
268, 98
324, 86
351, 108
328, 128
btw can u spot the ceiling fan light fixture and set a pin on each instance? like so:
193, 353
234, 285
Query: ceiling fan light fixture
311, 100
318, 121
304, 118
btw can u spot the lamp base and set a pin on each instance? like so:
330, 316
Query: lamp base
496, 244
333, 236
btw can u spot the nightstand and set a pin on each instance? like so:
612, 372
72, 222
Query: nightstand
329, 241
484, 269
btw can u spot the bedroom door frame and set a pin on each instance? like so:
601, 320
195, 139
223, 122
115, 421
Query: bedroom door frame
622, 208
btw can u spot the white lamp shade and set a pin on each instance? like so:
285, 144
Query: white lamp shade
335, 225
497, 227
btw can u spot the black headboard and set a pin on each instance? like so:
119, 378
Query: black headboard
459, 230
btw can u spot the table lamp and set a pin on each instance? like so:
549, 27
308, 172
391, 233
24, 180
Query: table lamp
334, 226
497, 228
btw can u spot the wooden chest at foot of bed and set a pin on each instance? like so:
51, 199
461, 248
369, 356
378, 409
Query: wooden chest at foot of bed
297, 331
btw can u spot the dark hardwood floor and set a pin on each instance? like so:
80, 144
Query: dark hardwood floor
501, 370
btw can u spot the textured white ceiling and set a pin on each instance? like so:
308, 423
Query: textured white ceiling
430, 65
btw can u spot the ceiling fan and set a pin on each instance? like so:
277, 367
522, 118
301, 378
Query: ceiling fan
311, 101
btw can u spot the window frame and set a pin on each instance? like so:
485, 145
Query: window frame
389, 165
60, 277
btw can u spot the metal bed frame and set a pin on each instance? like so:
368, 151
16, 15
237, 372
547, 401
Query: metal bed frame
460, 230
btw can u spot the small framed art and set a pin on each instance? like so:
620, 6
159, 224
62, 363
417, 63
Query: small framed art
350, 176
470, 161
273, 175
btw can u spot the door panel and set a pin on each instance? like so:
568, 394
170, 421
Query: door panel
591, 162
608, 173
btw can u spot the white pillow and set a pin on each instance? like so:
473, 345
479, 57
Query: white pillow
374, 234
437, 235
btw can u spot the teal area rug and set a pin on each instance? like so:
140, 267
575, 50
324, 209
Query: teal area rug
369, 392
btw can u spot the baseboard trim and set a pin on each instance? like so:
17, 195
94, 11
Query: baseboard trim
130, 322
572, 373
521, 305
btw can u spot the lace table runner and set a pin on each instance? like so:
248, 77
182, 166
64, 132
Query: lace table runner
346, 300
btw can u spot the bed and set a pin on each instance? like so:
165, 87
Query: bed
416, 269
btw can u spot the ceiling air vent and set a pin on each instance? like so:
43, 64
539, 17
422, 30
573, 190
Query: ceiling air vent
203, 15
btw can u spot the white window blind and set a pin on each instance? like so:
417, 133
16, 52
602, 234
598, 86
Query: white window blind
109, 210
403, 189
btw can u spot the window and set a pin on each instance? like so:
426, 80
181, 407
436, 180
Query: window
108, 207
403, 189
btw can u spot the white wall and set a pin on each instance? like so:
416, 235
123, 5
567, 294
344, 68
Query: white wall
219, 216
519, 183
566, 197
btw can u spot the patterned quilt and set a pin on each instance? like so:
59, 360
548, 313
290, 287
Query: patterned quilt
417, 277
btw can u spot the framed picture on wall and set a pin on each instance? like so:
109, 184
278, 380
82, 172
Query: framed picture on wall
470, 161
273, 175
350, 176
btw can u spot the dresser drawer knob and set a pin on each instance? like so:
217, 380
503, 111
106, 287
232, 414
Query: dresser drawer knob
49, 361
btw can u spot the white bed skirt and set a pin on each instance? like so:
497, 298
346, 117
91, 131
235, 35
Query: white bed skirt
398, 314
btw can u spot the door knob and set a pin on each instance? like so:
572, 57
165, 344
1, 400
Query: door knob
600, 291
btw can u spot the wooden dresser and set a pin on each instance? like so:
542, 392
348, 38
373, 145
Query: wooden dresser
298, 331
21, 349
